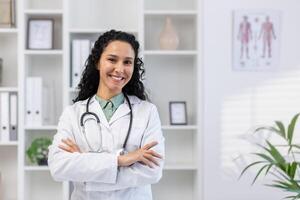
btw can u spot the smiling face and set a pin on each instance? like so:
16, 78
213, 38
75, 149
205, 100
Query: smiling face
115, 67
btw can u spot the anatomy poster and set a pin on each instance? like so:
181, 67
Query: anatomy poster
256, 39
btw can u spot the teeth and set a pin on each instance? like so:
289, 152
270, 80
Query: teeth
117, 78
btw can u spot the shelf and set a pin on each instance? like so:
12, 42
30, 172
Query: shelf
43, 52
174, 52
93, 31
179, 127
180, 166
13, 143
50, 127
8, 89
8, 30
170, 12
36, 168
43, 12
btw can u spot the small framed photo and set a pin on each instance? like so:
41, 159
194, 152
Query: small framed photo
40, 33
178, 113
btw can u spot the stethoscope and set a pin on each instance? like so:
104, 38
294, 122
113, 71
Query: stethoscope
96, 118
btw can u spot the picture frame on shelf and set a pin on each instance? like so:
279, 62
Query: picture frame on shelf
40, 34
178, 113
7, 13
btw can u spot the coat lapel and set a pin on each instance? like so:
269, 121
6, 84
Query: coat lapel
96, 108
123, 109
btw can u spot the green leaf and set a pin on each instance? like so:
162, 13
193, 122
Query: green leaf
281, 128
268, 169
258, 173
268, 128
292, 170
291, 128
267, 158
250, 165
280, 161
295, 145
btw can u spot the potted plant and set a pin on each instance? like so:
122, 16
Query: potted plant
279, 160
38, 151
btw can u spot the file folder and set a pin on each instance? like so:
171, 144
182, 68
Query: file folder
34, 101
80, 53
4, 116
13, 127
75, 71
29, 101
37, 99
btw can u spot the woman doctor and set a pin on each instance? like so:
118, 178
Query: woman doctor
109, 143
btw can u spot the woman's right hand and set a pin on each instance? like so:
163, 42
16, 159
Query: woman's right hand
143, 155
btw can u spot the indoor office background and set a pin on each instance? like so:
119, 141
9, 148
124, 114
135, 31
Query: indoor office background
206, 54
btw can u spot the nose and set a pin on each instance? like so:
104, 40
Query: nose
119, 67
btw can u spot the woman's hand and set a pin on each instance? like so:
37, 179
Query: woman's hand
143, 155
69, 146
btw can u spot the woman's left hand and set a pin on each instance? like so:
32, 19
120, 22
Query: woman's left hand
69, 146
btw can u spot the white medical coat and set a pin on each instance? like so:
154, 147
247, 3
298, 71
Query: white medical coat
96, 176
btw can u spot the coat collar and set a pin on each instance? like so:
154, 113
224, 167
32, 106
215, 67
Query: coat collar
122, 110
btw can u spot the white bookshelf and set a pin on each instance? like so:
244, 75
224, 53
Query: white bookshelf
9, 160
43, 52
180, 68
36, 168
45, 12
179, 127
49, 127
180, 166
8, 89
170, 12
174, 53
8, 30
12, 143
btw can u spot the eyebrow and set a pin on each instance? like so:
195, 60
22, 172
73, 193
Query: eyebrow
112, 55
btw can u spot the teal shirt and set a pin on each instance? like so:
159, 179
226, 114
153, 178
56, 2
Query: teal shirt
111, 105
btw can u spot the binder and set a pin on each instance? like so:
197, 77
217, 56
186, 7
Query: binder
37, 101
85, 47
4, 116
80, 53
75, 71
13, 110
34, 101
29, 101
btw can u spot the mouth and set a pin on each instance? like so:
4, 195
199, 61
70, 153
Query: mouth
117, 78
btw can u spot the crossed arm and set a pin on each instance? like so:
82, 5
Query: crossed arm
143, 155
107, 171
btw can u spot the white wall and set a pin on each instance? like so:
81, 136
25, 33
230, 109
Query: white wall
236, 101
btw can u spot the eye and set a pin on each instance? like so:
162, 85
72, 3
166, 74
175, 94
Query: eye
128, 62
112, 60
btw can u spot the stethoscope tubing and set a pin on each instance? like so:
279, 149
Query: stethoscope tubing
87, 112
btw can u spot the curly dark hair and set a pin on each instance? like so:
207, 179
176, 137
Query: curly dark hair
88, 84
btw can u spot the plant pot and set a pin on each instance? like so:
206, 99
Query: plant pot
42, 162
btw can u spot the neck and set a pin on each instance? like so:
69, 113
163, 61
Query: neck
105, 94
